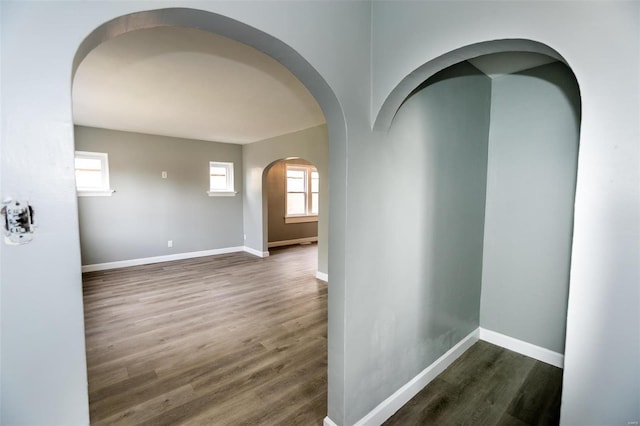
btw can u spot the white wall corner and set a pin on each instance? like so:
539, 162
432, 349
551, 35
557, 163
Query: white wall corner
322, 276
389, 406
328, 422
256, 252
541, 354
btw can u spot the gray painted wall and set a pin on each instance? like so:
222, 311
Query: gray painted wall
533, 155
146, 211
276, 188
423, 212
311, 144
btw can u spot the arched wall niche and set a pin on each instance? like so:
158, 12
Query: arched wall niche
383, 118
389, 117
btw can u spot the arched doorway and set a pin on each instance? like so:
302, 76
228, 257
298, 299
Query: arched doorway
225, 26
440, 191
292, 206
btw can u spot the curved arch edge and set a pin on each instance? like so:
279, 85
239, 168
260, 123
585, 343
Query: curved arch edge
381, 121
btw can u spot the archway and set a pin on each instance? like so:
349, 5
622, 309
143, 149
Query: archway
382, 118
291, 200
222, 25
439, 334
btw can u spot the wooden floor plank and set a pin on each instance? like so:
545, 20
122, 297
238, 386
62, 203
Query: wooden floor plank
487, 385
213, 340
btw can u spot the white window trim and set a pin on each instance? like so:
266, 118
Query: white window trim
300, 218
230, 191
105, 190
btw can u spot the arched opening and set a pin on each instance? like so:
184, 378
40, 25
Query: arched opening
333, 131
291, 202
490, 192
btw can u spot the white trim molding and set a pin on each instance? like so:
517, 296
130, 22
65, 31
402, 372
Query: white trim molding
389, 406
521, 347
328, 422
301, 219
221, 193
255, 252
305, 240
322, 276
158, 259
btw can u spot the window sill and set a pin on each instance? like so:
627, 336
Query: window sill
221, 193
300, 219
99, 193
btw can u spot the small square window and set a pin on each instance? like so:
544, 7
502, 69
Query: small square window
92, 173
221, 178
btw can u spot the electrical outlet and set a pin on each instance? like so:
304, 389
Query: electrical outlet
164, 175
170, 243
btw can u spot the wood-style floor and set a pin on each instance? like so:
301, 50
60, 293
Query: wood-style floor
488, 385
224, 340
238, 340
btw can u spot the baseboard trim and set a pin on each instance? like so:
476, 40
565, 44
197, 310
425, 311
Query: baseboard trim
328, 422
389, 406
521, 347
322, 276
255, 252
292, 242
159, 259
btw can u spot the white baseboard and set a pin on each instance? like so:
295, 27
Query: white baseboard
158, 259
524, 348
328, 422
256, 252
322, 276
292, 242
389, 406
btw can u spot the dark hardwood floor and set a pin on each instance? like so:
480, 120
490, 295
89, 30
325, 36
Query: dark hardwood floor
488, 385
238, 340
229, 339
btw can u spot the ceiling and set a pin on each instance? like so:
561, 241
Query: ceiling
499, 64
189, 83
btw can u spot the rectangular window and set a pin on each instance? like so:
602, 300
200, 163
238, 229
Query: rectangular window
302, 193
92, 174
220, 178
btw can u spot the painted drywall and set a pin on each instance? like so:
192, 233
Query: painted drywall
599, 41
425, 206
310, 144
146, 211
276, 187
533, 155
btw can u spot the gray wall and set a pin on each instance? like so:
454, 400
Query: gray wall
422, 211
533, 154
311, 144
146, 211
276, 187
